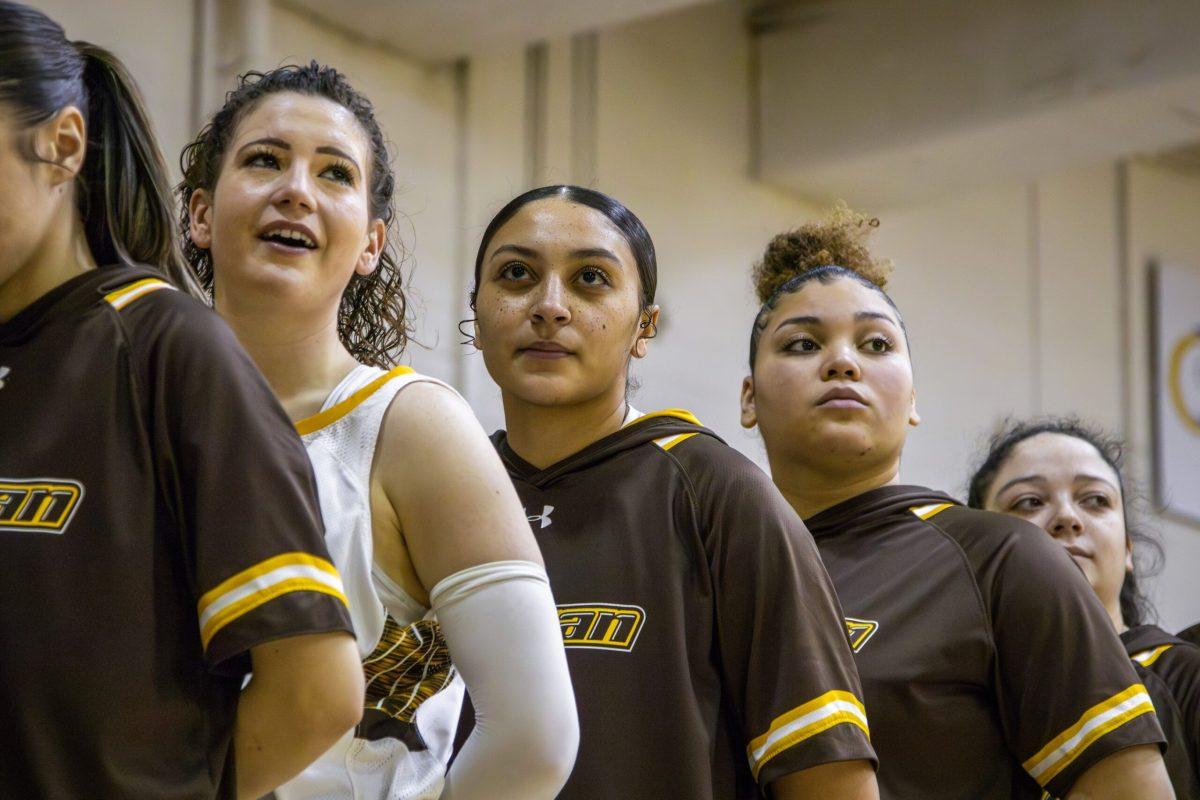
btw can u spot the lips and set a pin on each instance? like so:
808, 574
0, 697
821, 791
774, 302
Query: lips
545, 350
1077, 552
842, 397
289, 235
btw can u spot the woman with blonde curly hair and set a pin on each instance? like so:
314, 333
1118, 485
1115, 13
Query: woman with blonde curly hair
988, 667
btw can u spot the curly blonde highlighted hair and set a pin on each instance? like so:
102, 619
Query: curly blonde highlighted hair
825, 250
838, 240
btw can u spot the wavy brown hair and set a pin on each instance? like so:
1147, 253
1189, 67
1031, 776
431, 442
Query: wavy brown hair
372, 318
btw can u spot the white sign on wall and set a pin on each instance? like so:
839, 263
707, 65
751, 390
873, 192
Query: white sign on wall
1177, 388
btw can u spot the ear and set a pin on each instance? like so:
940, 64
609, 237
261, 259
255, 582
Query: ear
647, 330
476, 338
368, 260
749, 415
62, 140
200, 218
1128, 554
914, 419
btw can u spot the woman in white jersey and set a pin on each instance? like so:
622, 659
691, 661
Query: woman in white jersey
287, 197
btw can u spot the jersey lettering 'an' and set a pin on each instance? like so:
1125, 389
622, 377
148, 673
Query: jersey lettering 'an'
43, 505
989, 668
705, 644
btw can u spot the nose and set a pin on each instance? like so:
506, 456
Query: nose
841, 364
550, 304
295, 189
1066, 522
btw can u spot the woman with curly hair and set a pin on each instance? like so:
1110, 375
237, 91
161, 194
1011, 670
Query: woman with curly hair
988, 667
288, 205
1065, 477
703, 635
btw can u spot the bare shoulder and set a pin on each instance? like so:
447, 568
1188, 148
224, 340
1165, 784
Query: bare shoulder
428, 420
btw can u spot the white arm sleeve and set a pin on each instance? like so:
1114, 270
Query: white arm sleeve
501, 624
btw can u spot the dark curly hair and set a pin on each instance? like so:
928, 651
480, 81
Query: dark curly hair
1136, 607
372, 320
822, 251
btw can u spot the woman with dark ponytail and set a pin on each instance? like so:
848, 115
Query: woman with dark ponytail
146, 564
1065, 476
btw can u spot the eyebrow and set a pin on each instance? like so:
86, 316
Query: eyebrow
325, 149
859, 317
1041, 479
585, 252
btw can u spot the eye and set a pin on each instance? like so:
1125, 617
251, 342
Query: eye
1097, 501
514, 271
342, 173
879, 344
261, 158
1026, 503
801, 344
593, 277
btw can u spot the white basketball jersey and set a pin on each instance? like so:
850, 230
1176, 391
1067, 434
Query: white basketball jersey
400, 749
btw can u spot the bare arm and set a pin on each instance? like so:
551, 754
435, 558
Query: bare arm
305, 694
846, 780
454, 503
1136, 773
471, 548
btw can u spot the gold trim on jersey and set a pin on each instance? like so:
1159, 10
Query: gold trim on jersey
261, 583
338, 410
1148, 657
410, 664
1098, 721
667, 442
119, 298
925, 512
804, 722
42, 505
677, 413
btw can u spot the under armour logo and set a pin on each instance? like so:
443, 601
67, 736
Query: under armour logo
4, 371
544, 517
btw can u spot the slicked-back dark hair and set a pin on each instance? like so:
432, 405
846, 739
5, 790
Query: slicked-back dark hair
122, 191
635, 233
372, 318
1136, 607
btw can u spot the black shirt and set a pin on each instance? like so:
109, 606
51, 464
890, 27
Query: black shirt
158, 519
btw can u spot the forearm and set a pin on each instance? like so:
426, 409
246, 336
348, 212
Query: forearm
500, 622
304, 696
1136, 773
846, 780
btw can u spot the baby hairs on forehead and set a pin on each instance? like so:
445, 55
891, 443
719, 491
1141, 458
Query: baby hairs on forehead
372, 319
825, 251
625, 221
1136, 607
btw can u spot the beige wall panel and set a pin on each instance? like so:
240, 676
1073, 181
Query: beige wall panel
1078, 294
1163, 207
154, 39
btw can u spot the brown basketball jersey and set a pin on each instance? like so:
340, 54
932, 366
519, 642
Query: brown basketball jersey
990, 669
703, 636
1173, 679
157, 520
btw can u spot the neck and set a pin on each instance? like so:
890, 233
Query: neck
811, 491
300, 355
544, 435
1113, 607
60, 256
